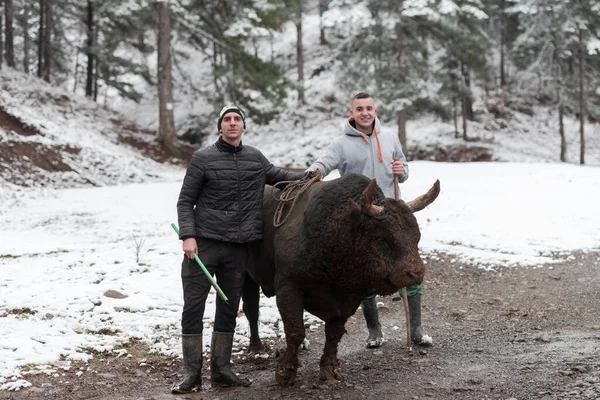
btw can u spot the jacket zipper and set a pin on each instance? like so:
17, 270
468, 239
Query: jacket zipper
371, 142
239, 213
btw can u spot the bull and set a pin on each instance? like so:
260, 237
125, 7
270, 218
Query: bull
343, 241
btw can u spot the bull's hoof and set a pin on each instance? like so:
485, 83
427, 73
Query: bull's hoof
330, 372
285, 376
374, 343
255, 346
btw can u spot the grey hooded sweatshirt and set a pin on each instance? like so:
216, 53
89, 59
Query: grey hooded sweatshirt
355, 152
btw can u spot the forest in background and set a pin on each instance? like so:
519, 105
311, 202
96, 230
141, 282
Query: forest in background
416, 56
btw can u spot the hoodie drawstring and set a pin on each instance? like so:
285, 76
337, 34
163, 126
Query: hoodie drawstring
377, 140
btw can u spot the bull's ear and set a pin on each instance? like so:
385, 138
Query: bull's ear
370, 210
426, 199
354, 208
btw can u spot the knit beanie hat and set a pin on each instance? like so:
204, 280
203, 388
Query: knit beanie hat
228, 109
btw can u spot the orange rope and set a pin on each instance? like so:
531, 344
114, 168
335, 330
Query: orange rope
378, 144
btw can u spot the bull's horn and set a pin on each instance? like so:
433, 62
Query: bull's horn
424, 200
367, 197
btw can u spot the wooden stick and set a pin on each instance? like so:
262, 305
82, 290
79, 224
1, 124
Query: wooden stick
404, 290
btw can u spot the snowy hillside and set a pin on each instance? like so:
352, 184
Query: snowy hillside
49, 137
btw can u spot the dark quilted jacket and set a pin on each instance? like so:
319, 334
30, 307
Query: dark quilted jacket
222, 193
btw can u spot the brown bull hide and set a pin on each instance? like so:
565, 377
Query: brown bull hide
331, 254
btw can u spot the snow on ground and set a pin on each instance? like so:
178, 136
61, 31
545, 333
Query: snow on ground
61, 250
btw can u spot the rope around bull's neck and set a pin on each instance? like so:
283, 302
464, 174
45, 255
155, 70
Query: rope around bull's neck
291, 192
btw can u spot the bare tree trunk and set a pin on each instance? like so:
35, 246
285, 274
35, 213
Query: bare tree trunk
558, 81
467, 102
41, 38
401, 121
76, 74
300, 54
24, 19
464, 117
455, 117
97, 69
1, 41
502, 43
166, 130
561, 128
219, 92
48, 24
96, 79
10, 52
89, 81
581, 102
106, 73
323, 6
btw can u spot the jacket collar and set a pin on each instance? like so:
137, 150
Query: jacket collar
222, 145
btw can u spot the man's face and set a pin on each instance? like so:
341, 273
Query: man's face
232, 127
363, 111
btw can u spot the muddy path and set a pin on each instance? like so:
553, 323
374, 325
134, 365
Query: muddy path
516, 333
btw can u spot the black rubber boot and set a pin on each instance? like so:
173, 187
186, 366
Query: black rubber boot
417, 333
192, 363
369, 307
220, 361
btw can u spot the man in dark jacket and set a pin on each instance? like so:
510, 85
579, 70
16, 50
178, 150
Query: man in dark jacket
220, 213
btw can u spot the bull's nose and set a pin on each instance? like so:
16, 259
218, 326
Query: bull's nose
417, 275
417, 272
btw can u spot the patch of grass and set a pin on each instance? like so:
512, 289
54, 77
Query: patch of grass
8, 256
22, 311
92, 351
139, 350
103, 331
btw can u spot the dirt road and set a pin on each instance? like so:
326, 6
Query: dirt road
516, 333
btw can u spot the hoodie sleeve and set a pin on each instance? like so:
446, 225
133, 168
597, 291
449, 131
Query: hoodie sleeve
399, 154
329, 161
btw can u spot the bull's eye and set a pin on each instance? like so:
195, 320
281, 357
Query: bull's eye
383, 243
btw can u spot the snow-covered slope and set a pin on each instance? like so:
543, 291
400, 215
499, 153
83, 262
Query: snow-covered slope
50, 138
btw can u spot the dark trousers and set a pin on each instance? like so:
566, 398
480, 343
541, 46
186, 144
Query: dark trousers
228, 262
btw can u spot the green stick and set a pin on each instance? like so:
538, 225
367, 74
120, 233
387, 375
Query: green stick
208, 275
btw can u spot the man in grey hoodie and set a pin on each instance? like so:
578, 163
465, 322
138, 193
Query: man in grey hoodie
365, 148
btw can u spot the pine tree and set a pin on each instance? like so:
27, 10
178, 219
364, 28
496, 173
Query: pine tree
225, 33
553, 53
503, 28
387, 49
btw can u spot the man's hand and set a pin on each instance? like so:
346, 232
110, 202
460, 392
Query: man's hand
397, 168
190, 247
315, 174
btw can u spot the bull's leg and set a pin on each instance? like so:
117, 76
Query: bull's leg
250, 298
289, 303
330, 365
